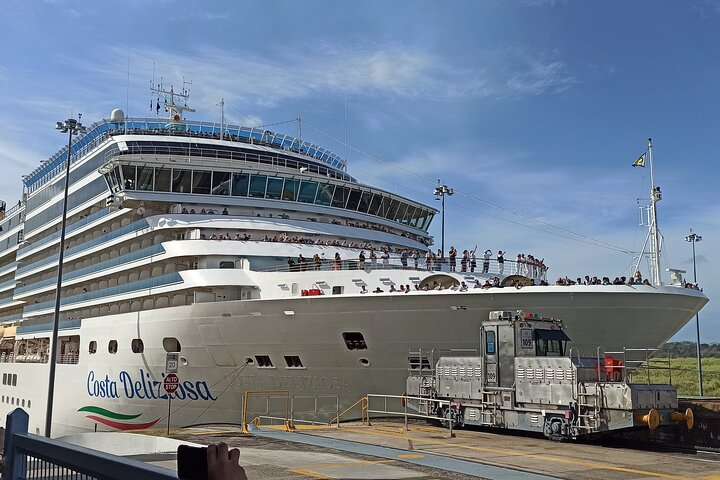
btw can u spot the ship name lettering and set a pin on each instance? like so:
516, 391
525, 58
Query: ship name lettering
145, 388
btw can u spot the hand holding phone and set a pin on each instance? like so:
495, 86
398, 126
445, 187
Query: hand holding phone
224, 464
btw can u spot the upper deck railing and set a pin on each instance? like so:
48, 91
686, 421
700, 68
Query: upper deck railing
101, 130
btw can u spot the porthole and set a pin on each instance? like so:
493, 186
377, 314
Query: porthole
137, 345
23, 403
92, 347
14, 379
364, 362
171, 344
112, 347
183, 361
29, 403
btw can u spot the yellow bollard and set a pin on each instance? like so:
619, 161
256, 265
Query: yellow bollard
651, 419
688, 418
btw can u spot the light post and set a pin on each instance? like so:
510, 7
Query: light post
440, 192
71, 127
693, 238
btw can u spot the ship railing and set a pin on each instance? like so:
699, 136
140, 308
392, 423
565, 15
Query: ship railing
32, 456
395, 263
409, 407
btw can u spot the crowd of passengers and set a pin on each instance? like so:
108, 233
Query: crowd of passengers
347, 223
437, 286
636, 279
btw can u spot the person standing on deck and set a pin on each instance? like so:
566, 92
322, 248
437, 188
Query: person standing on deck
486, 260
501, 261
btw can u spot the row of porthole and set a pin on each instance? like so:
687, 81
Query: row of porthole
170, 344
292, 361
16, 401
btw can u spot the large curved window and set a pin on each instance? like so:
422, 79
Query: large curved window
220, 183
204, 182
274, 188
324, 194
163, 179
240, 184
290, 191
257, 185
182, 180
201, 182
307, 191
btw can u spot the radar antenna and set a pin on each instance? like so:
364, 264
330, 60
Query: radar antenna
175, 103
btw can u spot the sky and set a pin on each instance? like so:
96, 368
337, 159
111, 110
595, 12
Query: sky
531, 110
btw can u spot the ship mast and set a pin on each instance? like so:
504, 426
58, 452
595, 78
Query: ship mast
175, 109
653, 236
655, 196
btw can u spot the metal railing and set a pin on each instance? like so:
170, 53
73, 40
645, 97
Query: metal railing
30, 456
632, 361
404, 402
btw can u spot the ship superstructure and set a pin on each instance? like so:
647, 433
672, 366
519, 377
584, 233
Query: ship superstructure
240, 249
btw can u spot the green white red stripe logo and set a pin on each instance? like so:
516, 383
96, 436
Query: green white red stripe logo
114, 419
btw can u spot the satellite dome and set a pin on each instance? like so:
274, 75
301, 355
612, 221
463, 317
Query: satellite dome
117, 116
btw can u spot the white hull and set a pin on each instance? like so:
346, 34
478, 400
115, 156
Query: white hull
217, 338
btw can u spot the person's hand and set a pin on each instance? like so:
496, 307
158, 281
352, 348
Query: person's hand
224, 464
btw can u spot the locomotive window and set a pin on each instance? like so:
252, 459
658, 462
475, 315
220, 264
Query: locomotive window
490, 342
549, 348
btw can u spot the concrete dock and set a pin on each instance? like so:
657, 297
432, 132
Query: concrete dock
386, 450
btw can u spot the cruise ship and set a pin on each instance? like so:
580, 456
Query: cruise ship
239, 250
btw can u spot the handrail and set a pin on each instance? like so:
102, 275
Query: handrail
363, 411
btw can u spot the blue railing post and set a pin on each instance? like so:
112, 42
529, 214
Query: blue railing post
16, 423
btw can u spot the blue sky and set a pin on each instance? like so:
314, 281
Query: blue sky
538, 107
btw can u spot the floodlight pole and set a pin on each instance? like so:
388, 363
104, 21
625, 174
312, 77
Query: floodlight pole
440, 192
693, 238
71, 127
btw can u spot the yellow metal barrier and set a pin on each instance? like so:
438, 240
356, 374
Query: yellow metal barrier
363, 412
267, 393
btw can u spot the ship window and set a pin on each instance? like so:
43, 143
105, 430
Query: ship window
129, 176
29, 403
14, 379
307, 192
354, 341
385, 208
290, 190
274, 188
422, 216
263, 361
390, 214
364, 202
293, 361
171, 344
221, 183
400, 215
375, 204
201, 182
324, 195
227, 264
112, 347
410, 216
92, 347
4, 378
340, 197
181, 180
137, 345
354, 199
145, 178
337, 290
163, 179
240, 184
257, 185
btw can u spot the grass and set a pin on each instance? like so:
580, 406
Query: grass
685, 375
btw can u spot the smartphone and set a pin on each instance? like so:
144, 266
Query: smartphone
192, 463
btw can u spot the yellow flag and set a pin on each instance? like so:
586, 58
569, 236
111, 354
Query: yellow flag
640, 161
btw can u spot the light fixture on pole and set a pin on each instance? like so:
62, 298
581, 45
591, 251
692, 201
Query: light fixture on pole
440, 192
71, 127
693, 238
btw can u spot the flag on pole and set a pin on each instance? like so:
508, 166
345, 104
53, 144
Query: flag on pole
640, 161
